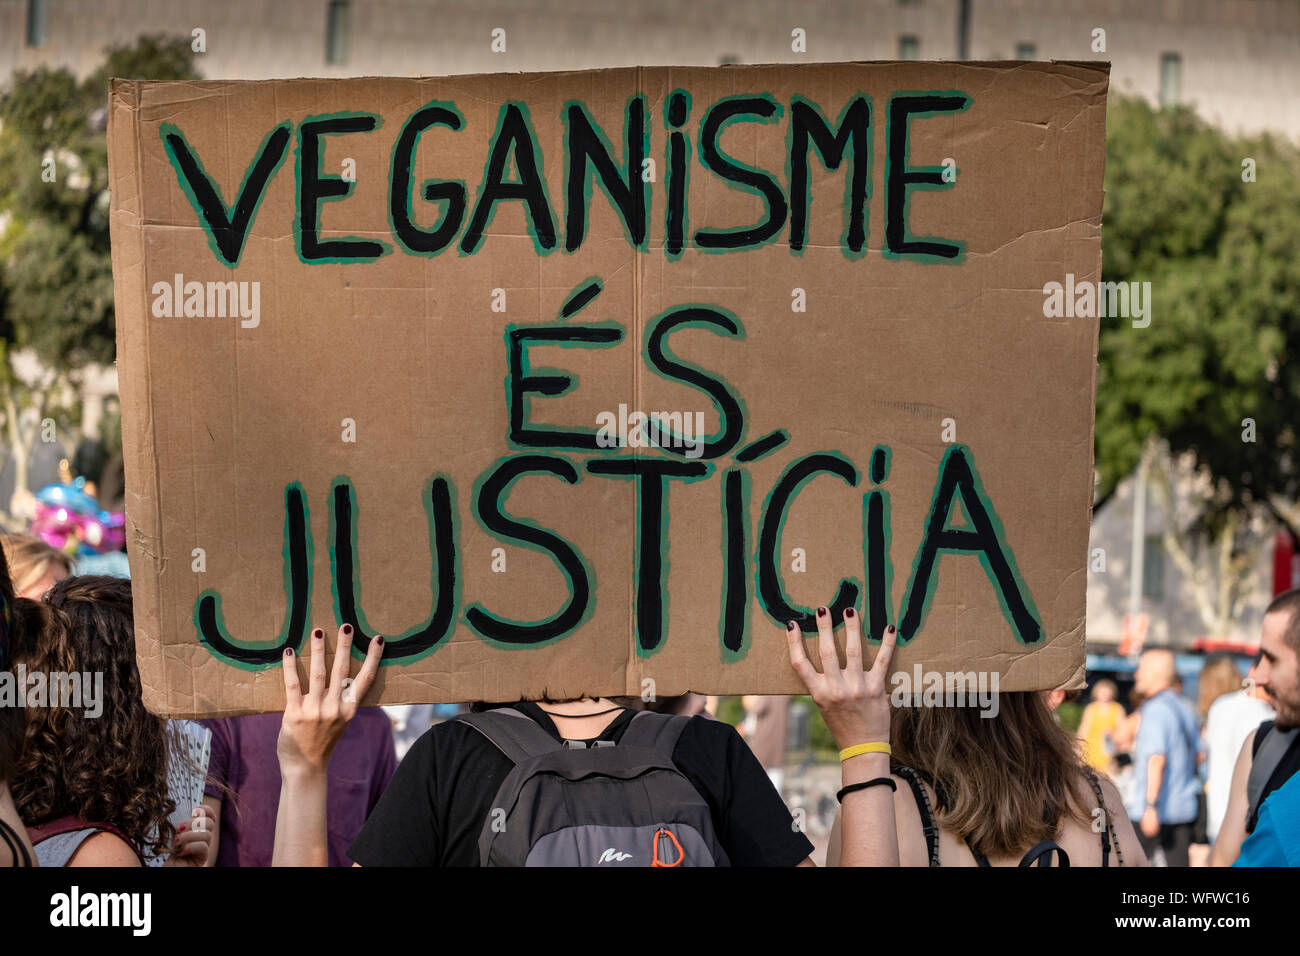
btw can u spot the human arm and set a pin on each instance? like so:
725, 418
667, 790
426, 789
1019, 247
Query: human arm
1155, 776
1232, 831
104, 849
312, 725
854, 703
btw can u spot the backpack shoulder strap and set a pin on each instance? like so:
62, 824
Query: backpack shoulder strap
1269, 753
656, 731
516, 735
1260, 733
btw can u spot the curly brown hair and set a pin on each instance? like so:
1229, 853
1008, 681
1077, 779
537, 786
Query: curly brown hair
111, 768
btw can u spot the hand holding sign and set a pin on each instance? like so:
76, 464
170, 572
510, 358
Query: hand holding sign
855, 705
314, 723
311, 727
854, 701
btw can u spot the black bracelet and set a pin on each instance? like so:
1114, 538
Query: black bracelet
854, 787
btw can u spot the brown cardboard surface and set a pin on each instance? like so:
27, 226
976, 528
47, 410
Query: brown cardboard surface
943, 361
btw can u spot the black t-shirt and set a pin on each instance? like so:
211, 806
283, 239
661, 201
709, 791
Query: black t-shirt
437, 802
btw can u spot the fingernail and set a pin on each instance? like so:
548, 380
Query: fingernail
347, 630
789, 625
318, 633
288, 652
891, 629
848, 612
380, 640
821, 612
182, 826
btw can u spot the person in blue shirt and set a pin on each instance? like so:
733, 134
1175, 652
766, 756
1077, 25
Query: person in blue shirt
1276, 839
1163, 803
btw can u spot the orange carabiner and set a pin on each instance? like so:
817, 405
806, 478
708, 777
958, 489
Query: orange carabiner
681, 854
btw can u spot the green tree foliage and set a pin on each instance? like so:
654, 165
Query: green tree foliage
58, 272
1220, 254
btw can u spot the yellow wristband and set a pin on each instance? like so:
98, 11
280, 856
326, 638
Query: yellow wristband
859, 749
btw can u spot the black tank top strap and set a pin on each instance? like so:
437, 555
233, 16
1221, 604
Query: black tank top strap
1041, 855
1108, 835
15, 844
923, 808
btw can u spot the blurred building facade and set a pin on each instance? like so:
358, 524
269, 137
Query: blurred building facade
1236, 61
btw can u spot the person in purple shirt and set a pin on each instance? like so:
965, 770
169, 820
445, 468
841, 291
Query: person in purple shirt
244, 762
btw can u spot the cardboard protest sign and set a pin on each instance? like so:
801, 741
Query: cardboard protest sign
585, 383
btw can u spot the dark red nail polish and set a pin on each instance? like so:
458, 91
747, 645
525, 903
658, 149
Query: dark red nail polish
182, 826
380, 640
821, 612
848, 612
891, 629
288, 652
347, 630
789, 625
318, 633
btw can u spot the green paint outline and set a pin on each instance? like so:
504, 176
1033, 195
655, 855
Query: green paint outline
366, 627
166, 129
665, 563
1007, 552
734, 186
578, 287
322, 177
929, 187
443, 204
582, 559
686, 175
219, 620
846, 206
740, 336
887, 523
746, 636
526, 371
780, 532
590, 175
538, 162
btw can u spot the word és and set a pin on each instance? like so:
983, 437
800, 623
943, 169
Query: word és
208, 300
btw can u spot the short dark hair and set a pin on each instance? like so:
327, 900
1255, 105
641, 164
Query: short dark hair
1288, 601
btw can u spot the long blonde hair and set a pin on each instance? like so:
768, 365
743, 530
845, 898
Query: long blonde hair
1009, 779
30, 557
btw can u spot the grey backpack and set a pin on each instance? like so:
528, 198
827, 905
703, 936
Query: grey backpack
623, 804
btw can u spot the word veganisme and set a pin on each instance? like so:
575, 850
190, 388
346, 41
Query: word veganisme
588, 153
746, 557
